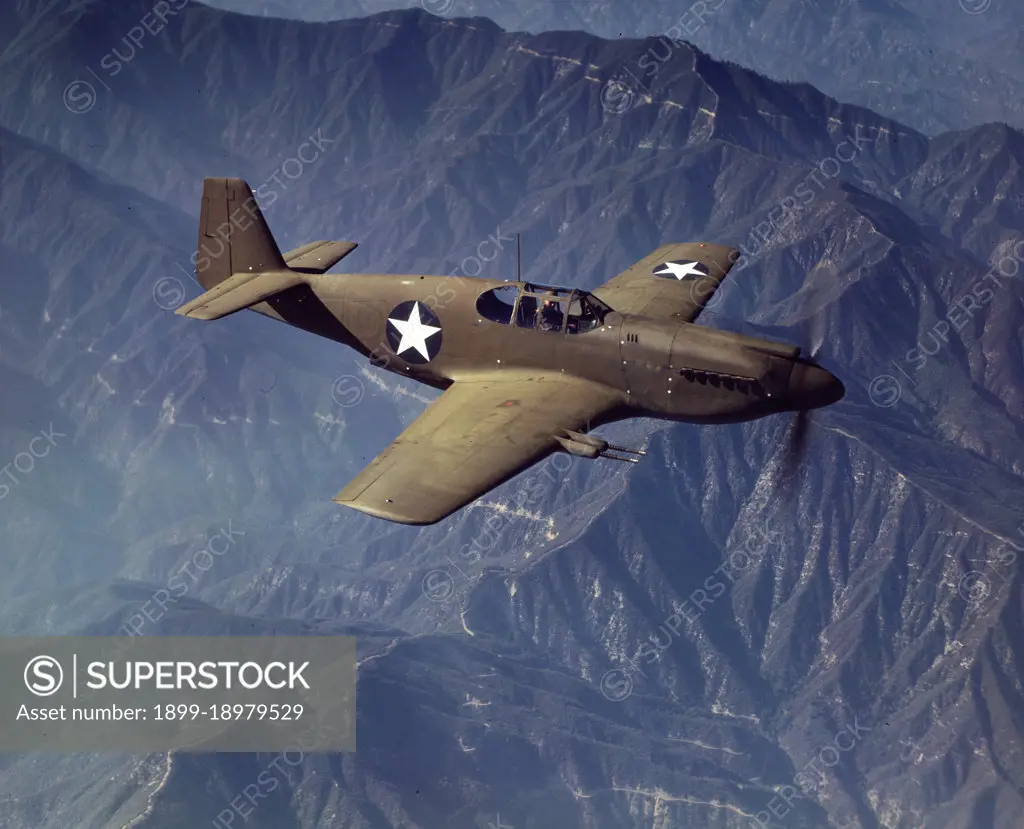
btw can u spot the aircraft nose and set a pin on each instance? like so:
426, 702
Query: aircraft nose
813, 387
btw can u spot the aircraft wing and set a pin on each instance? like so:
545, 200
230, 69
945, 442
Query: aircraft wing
676, 281
475, 436
318, 257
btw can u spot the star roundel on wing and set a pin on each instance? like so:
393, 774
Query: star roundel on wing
414, 332
680, 270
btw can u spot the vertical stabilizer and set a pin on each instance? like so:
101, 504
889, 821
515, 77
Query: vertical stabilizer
233, 235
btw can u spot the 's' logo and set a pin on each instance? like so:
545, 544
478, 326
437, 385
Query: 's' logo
43, 676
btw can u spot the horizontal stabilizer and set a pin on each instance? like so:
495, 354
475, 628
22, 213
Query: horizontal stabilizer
237, 292
318, 257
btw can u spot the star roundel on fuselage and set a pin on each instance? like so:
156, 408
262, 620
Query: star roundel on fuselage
414, 332
681, 270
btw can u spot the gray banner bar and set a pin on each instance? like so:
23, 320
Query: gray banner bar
169, 693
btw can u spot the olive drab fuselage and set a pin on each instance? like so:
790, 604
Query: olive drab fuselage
663, 368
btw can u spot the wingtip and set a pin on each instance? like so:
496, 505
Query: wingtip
384, 513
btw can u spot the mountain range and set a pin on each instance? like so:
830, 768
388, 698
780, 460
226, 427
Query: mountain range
935, 67
874, 599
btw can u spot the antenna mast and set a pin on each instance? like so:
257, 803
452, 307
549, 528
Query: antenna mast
519, 262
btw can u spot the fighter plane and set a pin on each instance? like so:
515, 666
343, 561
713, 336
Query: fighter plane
526, 370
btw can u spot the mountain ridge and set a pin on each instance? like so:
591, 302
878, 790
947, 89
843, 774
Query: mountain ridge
901, 58
853, 606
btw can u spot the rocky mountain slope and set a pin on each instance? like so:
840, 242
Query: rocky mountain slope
932, 66
870, 623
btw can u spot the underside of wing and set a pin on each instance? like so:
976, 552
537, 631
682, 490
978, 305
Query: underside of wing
676, 281
475, 436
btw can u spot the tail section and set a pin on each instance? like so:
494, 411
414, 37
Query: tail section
233, 235
318, 257
241, 290
237, 260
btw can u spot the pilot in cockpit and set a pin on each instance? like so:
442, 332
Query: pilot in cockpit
549, 317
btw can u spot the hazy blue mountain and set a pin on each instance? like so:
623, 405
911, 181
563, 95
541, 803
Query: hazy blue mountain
874, 595
933, 66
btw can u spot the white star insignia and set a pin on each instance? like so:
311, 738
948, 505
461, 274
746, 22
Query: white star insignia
414, 332
681, 270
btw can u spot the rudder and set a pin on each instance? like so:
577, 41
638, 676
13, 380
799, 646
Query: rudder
233, 235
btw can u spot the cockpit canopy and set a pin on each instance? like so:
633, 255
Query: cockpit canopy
542, 307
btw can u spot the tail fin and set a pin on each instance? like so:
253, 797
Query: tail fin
233, 235
237, 260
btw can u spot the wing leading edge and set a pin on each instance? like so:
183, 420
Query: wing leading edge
675, 281
475, 436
